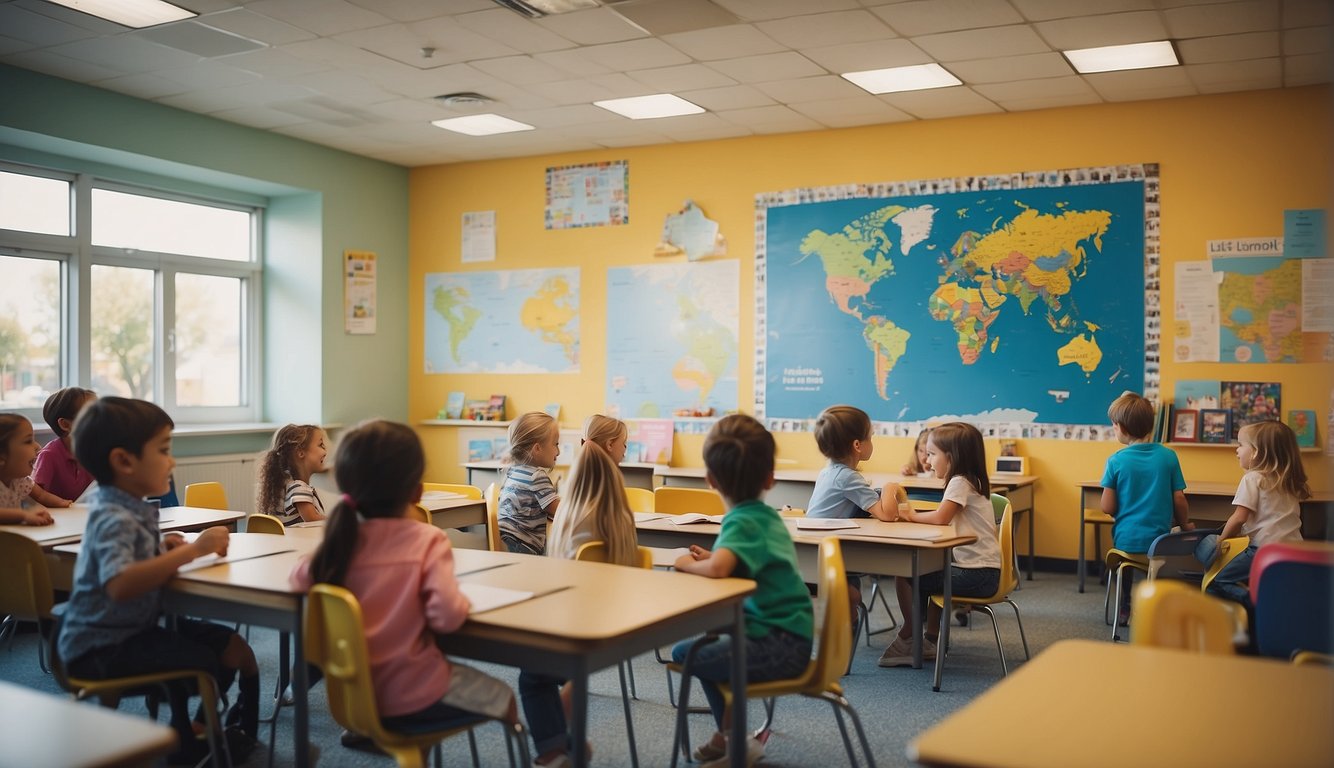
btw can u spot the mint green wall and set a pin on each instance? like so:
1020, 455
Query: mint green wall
321, 202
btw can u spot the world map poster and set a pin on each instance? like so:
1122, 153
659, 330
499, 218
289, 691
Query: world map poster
1021, 299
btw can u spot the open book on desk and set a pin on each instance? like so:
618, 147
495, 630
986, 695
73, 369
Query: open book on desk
485, 597
695, 517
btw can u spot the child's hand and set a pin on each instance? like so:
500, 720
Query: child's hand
37, 516
1188, 526
213, 540
699, 553
172, 541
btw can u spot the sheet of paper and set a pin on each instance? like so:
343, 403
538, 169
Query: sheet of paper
644, 517
1317, 295
479, 236
695, 517
824, 524
1195, 298
212, 559
919, 531
485, 597
441, 495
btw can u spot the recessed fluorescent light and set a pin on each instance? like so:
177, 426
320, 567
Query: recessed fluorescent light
481, 125
130, 13
649, 107
915, 78
1111, 58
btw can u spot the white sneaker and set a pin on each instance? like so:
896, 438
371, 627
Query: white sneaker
899, 653
754, 751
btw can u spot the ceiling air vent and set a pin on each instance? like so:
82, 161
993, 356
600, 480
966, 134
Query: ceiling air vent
463, 99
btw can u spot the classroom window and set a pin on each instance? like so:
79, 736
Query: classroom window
31, 203
147, 294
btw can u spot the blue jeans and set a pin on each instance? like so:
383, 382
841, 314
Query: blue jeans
540, 695
1230, 583
776, 656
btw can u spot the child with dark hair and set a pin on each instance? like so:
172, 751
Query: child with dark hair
57, 471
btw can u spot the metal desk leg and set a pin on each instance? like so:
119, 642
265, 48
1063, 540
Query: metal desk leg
579, 714
300, 693
1081, 565
917, 617
1032, 547
943, 639
739, 735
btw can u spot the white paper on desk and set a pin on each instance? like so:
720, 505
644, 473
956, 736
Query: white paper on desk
441, 496
695, 517
918, 531
824, 523
308, 524
644, 517
203, 561
485, 597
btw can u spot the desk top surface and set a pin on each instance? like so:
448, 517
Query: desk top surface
1004, 480
36, 727
1165, 706
70, 522
916, 535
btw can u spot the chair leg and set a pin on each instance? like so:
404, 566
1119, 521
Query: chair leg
629, 721
681, 736
630, 673
1107, 602
843, 733
841, 703
472, 750
1020, 622
877, 592
1120, 573
770, 704
995, 629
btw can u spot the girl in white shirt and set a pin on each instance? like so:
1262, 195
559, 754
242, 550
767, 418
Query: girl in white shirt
298, 453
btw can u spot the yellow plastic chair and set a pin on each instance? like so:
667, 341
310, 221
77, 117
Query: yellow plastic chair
639, 499
821, 678
671, 500
493, 519
1173, 614
1009, 580
1313, 658
336, 643
25, 587
596, 552
206, 495
1097, 519
1118, 562
1228, 549
421, 514
467, 491
258, 523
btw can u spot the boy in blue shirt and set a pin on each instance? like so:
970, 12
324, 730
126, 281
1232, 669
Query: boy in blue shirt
110, 627
1142, 487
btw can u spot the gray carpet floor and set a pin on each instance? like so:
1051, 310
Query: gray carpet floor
894, 704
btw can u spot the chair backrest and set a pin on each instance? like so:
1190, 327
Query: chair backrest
1174, 614
493, 541
1009, 574
1172, 556
1294, 609
258, 523
639, 499
998, 503
467, 491
206, 495
1282, 551
671, 500
336, 643
835, 649
1228, 549
420, 514
596, 552
25, 579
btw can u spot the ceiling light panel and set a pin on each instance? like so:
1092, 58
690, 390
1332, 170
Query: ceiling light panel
919, 77
1113, 58
650, 107
481, 125
130, 13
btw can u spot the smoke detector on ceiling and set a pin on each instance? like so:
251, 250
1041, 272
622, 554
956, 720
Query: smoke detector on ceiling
463, 99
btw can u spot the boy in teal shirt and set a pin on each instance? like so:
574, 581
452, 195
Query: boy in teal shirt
753, 544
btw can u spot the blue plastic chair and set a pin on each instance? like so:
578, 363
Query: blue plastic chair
1172, 556
1294, 609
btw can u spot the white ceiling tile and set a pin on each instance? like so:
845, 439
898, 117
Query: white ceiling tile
513, 30
450, 43
572, 92
619, 85
323, 17
410, 109
823, 29
734, 97
344, 86
272, 62
636, 140
522, 70
85, 21
1032, 66
573, 62
451, 79
724, 42
61, 66
858, 57
127, 55
617, 127
592, 27
1142, 84
927, 17
771, 66
753, 10
236, 96
242, 22
1033, 89
13, 45
1307, 69
1205, 50
845, 113
705, 127
416, 10
775, 119
681, 78
1052, 101
38, 29
1222, 18
818, 88
635, 54
559, 117
202, 7
663, 17
942, 102
1044, 10
1107, 29
143, 86
982, 43
259, 117
207, 75
1307, 13
1227, 76
1306, 40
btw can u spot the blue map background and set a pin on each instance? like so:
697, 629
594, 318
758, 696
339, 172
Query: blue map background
806, 330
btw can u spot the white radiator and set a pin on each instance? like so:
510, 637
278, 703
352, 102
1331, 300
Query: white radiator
235, 471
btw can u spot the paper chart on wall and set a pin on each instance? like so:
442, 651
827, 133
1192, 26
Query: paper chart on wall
1317, 295
359, 292
1195, 299
479, 237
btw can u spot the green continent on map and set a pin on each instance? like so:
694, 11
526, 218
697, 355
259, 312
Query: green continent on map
450, 304
1082, 351
887, 342
547, 313
1265, 309
709, 349
855, 257
971, 311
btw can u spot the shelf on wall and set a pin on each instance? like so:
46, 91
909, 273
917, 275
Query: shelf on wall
1230, 446
463, 423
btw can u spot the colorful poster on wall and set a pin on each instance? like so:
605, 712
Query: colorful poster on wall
358, 292
592, 195
1259, 309
479, 237
509, 321
1023, 299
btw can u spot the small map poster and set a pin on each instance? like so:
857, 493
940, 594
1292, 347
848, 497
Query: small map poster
593, 195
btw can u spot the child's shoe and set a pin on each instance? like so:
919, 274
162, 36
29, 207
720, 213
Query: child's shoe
899, 652
708, 751
754, 751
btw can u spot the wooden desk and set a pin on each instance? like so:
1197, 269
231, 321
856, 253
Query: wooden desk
70, 523
865, 550
455, 513
795, 486
636, 474
1210, 506
39, 729
588, 616
1155, 707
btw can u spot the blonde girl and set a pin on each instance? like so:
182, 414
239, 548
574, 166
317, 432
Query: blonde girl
1268, 503
18, 454
298, 452
593, 509
609, 433
956, 455
917, 462
528, 498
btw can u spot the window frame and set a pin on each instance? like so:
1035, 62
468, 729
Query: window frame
77, 255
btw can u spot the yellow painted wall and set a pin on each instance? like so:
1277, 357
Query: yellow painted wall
1230, 165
